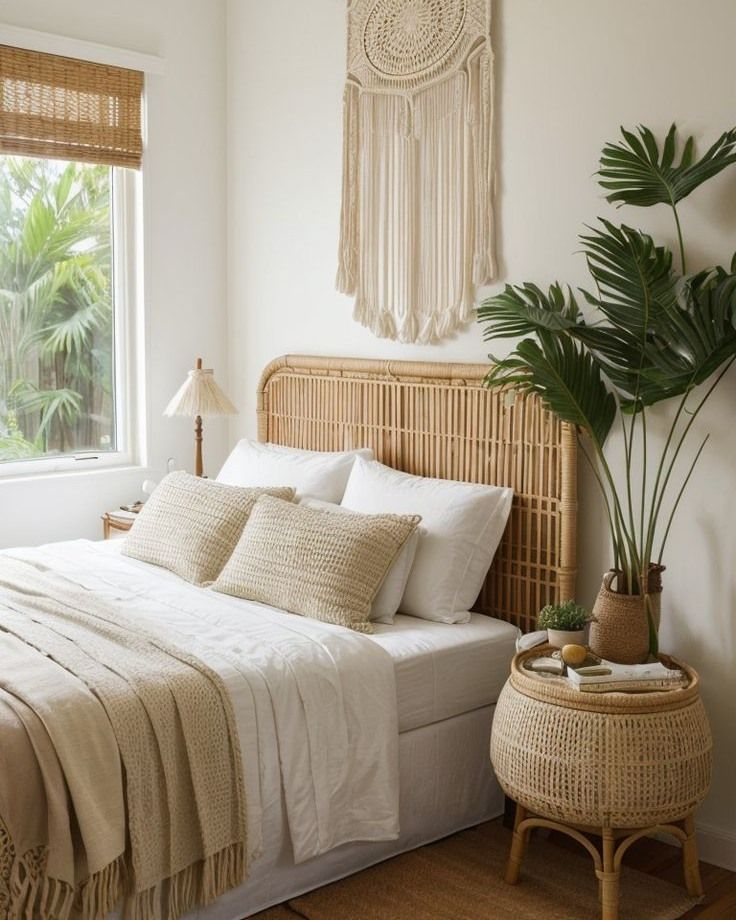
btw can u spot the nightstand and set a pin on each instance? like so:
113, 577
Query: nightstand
116, 523
616, 765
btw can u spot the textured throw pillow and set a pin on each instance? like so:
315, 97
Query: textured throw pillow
313, 562
462, 525
191, 525
386, 602
319, 474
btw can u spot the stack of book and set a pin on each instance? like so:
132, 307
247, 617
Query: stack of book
608, 677
597, 675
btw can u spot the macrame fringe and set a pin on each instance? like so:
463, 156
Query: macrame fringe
422, 236
33, 895
413, 238
30, 894
427, 331
347, 270
480, 166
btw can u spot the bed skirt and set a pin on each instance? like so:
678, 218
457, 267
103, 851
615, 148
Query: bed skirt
446, 785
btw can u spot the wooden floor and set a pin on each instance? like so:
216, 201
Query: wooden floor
663, 861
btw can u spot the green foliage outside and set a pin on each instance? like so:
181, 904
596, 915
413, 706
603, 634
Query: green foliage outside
56, 316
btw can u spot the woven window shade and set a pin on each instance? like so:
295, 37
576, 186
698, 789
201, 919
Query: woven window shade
52, 106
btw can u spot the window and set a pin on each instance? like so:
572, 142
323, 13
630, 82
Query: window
69, 131
57, 309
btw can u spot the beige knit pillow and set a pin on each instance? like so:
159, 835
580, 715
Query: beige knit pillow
191, 525
313, 562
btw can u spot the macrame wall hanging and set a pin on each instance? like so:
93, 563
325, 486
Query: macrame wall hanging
416, 235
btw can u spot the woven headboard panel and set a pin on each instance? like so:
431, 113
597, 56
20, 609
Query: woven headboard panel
439, 420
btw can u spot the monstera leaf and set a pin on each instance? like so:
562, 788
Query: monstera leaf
691, 342
634, 277
565, 376
526, 309
633, 171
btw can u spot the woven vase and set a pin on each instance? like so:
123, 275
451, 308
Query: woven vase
619, 630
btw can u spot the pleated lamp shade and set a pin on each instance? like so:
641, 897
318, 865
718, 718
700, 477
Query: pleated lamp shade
197, 397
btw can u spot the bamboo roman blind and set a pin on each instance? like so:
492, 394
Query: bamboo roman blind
52, 106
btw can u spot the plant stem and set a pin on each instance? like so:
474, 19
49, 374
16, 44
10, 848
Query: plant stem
628, 446
660, 469
679, 496
631, 561
683, 436
601, 486
644, 555
679, 237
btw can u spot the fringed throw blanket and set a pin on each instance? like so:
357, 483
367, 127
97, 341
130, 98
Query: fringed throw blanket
120, 767
416, 224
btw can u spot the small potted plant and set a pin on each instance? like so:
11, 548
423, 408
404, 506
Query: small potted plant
565, 623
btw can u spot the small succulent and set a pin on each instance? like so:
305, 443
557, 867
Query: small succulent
569, 617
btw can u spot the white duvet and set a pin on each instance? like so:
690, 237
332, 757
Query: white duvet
314, 701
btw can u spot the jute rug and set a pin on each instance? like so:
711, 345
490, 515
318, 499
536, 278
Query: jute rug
461, 878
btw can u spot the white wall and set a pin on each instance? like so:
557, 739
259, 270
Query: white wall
184, 215
567, 75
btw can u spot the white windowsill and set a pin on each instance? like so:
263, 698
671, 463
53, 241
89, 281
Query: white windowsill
113, 469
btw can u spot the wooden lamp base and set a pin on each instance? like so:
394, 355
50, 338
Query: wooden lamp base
198, 446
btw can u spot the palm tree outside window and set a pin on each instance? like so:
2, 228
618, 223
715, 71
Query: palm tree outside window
57, 309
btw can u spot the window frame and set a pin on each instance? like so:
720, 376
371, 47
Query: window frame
126, 287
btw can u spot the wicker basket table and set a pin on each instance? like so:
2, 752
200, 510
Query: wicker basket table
618, 765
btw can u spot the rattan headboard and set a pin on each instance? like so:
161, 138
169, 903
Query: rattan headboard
439, 420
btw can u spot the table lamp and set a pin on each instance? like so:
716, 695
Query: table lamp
199, 396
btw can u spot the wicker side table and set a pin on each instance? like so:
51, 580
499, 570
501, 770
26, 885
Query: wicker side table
618, 765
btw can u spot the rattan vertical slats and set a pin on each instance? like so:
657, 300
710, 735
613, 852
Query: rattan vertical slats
438, 420
53, 106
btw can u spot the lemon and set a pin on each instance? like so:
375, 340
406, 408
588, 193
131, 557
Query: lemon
574, 654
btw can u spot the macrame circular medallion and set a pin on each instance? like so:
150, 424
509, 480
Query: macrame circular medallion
406, 38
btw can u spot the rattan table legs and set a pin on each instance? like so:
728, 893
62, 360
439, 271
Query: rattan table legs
607, 858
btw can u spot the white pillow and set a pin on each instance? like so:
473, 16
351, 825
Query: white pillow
386, 602
319, 474
462, 525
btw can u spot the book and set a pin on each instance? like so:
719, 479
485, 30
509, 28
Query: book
610, 677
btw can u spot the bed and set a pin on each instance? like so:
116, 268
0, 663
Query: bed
423, 746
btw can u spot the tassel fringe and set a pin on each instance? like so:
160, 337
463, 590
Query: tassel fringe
410, 330
29, 894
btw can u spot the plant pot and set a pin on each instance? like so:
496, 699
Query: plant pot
619, 630
562, 637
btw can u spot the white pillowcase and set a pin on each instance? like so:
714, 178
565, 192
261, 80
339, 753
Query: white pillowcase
386, 602
462, 525
319, 474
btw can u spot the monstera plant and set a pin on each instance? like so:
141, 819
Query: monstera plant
650, 332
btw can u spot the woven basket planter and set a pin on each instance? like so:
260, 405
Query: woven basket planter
601, 760
619, 630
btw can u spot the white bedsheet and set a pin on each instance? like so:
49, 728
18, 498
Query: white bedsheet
315, 703
443, 670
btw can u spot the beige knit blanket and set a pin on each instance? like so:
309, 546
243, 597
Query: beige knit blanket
120, 767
